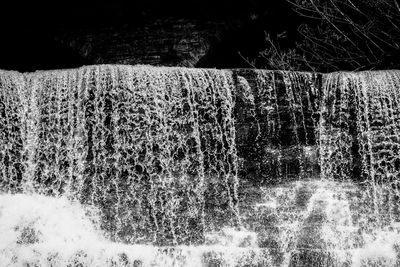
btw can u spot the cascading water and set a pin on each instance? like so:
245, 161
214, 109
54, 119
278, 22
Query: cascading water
142, 144
359, 142
140, 166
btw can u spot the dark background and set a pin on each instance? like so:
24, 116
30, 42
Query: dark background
32, 32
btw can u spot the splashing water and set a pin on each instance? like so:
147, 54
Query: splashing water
140, 166
47, 231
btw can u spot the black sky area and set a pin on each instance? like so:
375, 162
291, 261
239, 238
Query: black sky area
29, 27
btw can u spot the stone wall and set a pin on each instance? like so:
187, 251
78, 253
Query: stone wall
164, 42
276, 118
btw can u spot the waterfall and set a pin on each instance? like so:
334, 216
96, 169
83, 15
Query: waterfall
149, 146
360, 135
155, 166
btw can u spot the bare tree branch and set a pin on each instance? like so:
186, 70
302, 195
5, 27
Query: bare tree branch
341, 34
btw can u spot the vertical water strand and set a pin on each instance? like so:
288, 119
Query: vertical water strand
380, 154
50, 172
103, 157
327, 133
103, 147
6, 181
87, 135
188, 185
117, 99
166, 197
46, 92
61, 132
386, 164
174, 200
336, 140
146, 159
291, 96
181, 143
166, 200
157, 194
231, 136
316, 102
277, 126
113, 101
133, 206
81, 130
392, 145
325, 151
384, 143
375, 120
207, 134
201, 187
270, 132
231, 150
50, 144
228, 160
365, 151
106, 152
140, 137
97, 116
188, 156
162, 200
347, 142
71, 133
340, 123
29, 133
129, 206
367, 218
142, 97
124, 150
216, 146
196, 169
58, 175
269, 106
313, 107
189, 152
11, 87
339, 109
16, 129
311, 104
86, 95
301, 95
196, 84
394, 81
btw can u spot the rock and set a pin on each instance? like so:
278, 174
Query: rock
166, 42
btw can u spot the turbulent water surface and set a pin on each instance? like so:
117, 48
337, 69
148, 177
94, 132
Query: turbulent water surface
145, 166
